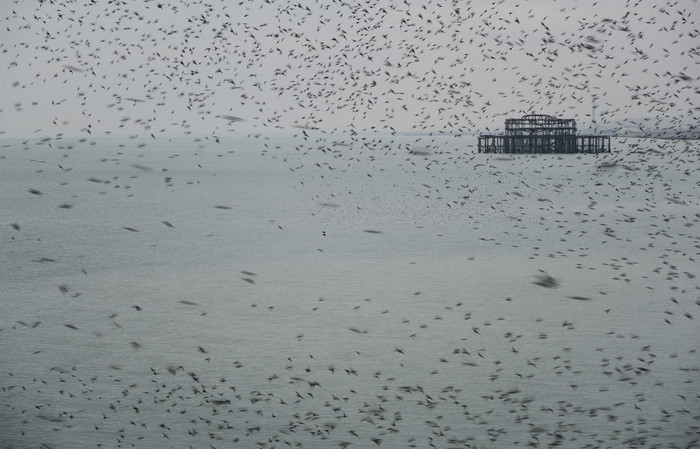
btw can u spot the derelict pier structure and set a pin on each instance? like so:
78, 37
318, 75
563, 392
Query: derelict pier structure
539, 133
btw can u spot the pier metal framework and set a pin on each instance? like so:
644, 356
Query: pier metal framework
539, 133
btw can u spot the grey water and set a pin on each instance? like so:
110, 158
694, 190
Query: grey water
280, 291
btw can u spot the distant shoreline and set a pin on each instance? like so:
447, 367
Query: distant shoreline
657, 134
665, 135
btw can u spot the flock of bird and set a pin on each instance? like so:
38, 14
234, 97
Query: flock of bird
378, 97
158, 68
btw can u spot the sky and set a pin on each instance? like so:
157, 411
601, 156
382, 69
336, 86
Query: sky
153, 68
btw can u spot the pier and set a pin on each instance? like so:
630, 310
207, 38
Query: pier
539, 133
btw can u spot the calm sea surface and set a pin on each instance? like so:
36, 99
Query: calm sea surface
335, 291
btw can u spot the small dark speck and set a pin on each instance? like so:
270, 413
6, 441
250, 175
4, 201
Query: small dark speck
141, 167
547, 281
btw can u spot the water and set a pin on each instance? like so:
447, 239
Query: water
334, 290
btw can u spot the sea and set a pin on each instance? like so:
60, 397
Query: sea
321, 290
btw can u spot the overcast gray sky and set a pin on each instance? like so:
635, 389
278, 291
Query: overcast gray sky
171, 67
